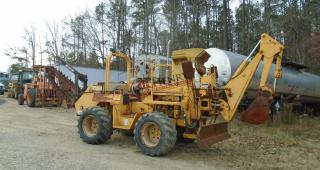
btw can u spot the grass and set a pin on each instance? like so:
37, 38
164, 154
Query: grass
289, 130
288, 115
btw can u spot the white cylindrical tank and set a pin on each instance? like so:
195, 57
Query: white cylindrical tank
302, 85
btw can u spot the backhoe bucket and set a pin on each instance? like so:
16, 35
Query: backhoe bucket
212, 134
258, 111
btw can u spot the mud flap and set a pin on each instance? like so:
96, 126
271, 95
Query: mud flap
211, 134
258, 111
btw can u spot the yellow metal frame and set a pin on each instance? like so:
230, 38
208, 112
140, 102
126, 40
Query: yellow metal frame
108, 63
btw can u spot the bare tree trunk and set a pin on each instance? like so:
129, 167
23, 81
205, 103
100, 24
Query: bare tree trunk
267, 16
31, 39
225, 24
40, 47
244, 23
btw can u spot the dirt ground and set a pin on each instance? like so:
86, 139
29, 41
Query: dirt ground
47, 138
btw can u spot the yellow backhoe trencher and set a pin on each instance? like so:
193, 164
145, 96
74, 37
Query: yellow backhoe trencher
183, 109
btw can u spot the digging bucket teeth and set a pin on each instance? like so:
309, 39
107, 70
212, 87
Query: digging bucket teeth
211, 134
258, 111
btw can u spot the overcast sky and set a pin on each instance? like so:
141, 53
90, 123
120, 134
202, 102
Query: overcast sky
16, 15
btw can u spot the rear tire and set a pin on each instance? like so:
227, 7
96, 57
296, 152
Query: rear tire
31, 97
155, 134
20, 99
95, 125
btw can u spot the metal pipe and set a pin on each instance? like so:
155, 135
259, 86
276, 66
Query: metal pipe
167, 68
254, 49
274, 84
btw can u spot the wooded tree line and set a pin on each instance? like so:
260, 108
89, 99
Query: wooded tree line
145, 26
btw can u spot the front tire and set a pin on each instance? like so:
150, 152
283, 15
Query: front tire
95, 125
31, 97
155, 134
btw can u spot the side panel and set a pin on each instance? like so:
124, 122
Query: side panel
85, 101
126, 116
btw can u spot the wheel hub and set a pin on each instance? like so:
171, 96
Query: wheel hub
90, 125
150, 134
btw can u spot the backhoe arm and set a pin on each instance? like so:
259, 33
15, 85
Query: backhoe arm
269, 51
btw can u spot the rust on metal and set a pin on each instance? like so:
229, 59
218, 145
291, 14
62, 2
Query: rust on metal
99, 97
188, 69
211, 134
53, 86
257, 112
